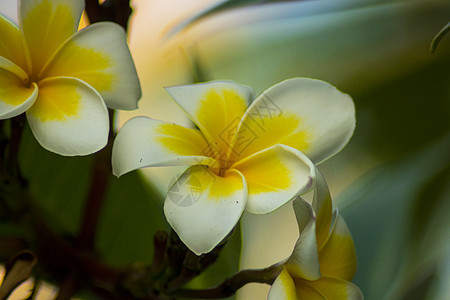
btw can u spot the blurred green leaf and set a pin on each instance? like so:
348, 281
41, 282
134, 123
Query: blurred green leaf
131, 213
398, 218
221, 6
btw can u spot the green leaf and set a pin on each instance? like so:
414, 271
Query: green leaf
131, 212
226, 265
220, 7
398, 218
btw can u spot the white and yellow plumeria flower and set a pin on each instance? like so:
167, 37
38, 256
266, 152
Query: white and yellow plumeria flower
242, 156
63, 78
323, 262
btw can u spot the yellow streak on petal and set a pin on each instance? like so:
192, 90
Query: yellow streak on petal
338, 257
218, 116
203, 180
262, 132
225, 186
331, 288
306, 291
288, 285
56, 102
12, 90
180, 140
11, 43
265, 173
83, 63
46, 27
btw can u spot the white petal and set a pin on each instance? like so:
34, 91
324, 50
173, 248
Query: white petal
99, 55
323, 208
303, 213
274, 176
306, 114
144, 142
203, 208
304, 260
69, 117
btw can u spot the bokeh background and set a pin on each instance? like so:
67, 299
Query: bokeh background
391, 182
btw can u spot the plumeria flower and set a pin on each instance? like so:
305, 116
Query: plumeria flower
242, 156
64, 79
323, 261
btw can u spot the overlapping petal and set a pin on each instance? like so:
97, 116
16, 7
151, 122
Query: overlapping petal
323, 208
12, 50
69, 117
144, 142
215, 107
338, 256
274, 176
306, 114
46, 25
203, 208
99, 55
335, 288
15, 98
319, 270
304, 260
283, 288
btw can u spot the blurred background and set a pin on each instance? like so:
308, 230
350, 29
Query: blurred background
391, 182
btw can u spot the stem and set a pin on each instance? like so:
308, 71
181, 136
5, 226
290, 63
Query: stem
232, 284
97, 193
12, 165
117, 11
68, 288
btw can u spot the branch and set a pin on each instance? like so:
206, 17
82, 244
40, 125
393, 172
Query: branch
118, 11
230, 286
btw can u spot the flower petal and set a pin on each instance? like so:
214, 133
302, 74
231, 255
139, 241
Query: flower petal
69, 117
338, 256
303, 213
11, 46
274, 176
15, 98
46, 25
99, 55
306, 114
144, 142
334, 288
283, 288
323, 208
305, 291
216, 107
304, 260
203, 208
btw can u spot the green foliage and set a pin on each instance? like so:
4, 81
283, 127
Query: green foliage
132, 210
398, 218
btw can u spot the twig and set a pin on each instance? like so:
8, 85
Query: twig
232, 284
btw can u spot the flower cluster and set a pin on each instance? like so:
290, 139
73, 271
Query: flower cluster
63, 79
244, 154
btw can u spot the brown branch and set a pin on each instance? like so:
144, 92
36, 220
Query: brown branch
230, 286
118, 11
